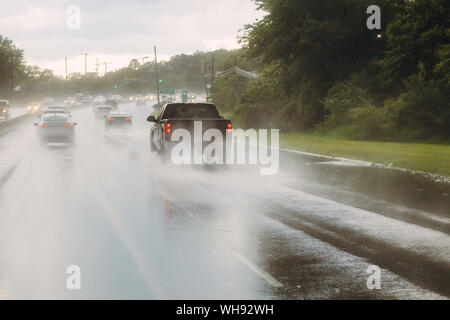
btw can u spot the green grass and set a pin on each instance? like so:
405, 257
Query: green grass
433, 158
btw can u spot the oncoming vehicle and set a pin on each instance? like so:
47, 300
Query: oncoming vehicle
99, 100
34, 107
4, 109
56, 128
118, 119
69, 101
101, 112
184, 116
47, 102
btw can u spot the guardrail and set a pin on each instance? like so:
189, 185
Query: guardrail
7, 124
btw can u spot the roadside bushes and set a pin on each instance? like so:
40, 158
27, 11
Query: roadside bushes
420, 112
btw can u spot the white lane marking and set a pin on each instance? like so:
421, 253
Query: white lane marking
127, 238
271, 280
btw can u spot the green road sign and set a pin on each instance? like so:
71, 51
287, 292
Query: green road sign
167, 91
184, 95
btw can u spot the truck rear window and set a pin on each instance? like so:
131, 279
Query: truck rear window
198, 110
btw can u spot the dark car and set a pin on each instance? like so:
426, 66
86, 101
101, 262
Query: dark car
56, 128
118, 119
139, 100
4, 109
102, 111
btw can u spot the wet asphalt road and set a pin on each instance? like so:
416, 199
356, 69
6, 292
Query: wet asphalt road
141, 230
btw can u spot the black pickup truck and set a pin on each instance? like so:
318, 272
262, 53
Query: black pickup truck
187, 116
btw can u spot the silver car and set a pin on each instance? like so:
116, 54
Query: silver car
56, 128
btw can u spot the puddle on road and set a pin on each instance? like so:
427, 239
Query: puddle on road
411, 189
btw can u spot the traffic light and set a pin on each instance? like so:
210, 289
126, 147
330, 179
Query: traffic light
115, 86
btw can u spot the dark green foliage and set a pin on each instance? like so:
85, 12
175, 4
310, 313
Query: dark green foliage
337, 76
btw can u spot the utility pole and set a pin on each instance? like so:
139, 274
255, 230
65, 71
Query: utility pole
65, 83
143, 82
96, 66
106, 67
11, 60
65, 62
85, 62
238, 79
157, 76
206, 86
212, 68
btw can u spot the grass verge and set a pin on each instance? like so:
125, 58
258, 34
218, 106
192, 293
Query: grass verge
433, 158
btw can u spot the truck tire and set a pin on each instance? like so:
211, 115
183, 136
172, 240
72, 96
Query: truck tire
152, 145
164, 155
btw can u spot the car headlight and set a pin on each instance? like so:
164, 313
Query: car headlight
4, 110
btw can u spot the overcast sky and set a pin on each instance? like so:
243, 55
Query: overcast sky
117, 31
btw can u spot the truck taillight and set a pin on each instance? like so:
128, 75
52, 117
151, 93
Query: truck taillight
229, 127
67, 125
44, 126
167, 128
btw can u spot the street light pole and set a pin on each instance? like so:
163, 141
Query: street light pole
65, 83
106, 67
85, 62
96, 66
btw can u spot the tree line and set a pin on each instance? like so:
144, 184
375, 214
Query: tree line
323, 70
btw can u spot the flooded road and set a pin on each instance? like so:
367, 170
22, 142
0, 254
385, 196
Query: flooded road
139, 229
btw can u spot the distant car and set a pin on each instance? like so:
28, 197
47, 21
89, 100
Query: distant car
47, 102
117, 98
79, 97
102, 111
112, 103
56, 128
69, 101
99, 100
119, 119
87, 100
34, 107
4, 109
139, 100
